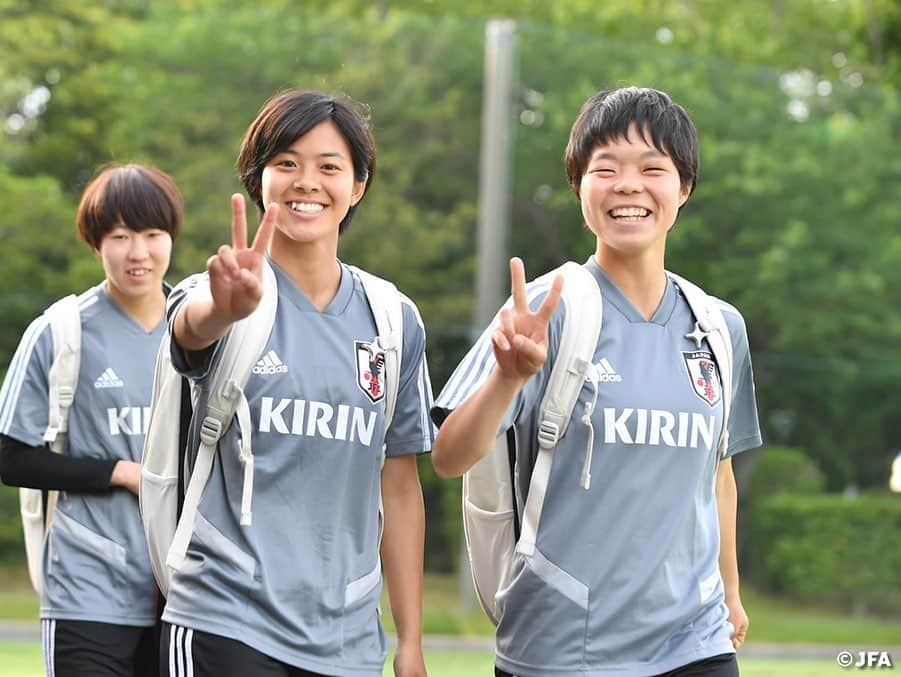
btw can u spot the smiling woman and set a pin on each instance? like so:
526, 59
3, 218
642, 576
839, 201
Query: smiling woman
98, 596
331, 464
636, 573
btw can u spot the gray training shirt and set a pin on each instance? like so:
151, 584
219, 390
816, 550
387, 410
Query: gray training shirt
301, 583
625, 577
96, 565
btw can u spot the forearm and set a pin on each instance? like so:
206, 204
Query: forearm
469, 431
402, 546
727, 509
22, 465
197, 325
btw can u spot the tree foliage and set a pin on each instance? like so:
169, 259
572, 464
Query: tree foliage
793, 221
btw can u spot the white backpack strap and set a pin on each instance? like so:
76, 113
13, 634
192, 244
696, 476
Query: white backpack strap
385, 302
581, 329
243, 346
712, 325
65, 326
64, 319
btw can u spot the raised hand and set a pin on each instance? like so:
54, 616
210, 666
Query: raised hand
520, 341
236, 271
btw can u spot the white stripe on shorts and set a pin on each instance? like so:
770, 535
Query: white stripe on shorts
48, 644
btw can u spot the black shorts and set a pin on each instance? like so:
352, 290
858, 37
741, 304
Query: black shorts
185, 652
723, 665
89, 649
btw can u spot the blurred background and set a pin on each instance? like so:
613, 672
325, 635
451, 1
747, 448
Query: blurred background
795, 219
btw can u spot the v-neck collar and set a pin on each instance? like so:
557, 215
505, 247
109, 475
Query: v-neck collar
289, 290
130, 322
614, 296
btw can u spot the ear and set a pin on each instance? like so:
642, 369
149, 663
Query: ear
684, 192
357, 193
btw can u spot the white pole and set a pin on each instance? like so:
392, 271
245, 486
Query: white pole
495, 197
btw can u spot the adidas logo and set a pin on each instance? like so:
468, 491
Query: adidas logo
606, 373
270, 364
108, 379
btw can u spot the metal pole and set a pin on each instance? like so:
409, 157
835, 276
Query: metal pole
495, 169
495, 185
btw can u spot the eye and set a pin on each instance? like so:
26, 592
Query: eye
656, 170
330, 167
603, 171
286, 163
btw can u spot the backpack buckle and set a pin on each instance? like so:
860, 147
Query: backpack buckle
210, 431
66, 395
548, 434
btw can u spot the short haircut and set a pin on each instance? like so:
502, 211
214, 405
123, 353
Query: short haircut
137, 197
288, 116
608, 115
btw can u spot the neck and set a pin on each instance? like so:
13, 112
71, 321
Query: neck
313, 267
641, 279
146, 310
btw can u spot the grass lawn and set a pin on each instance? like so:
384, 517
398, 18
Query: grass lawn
24, 660
772, 620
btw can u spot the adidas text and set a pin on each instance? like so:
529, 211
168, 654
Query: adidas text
317, 419
108, 379
605, 373
270, 364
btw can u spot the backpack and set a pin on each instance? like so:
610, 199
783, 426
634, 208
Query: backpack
172, 480
36, 505
493, 527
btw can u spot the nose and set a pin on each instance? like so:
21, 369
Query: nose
305, 183
628, 182
139, 248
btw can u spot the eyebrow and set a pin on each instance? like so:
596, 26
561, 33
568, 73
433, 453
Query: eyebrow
335, 154
603, 155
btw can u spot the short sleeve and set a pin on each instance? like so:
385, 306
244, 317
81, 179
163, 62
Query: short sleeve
743, 424
24, 395
479, 362
198, 284
411, 430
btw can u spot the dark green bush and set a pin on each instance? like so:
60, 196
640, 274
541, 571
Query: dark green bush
830, 549
777, 469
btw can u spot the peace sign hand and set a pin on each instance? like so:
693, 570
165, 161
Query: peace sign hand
520, 340
236, 272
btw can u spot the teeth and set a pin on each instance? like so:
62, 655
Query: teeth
306, 207
629, 212
140, 272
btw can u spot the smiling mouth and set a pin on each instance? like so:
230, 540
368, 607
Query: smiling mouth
306, 207
138, 272
629, 213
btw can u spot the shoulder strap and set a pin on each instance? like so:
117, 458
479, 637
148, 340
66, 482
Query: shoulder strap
385, 302
240, 351
712, 326
581, 328
65, 326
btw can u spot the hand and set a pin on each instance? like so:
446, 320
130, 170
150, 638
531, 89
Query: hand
520, 341
408, 661
739, 620
236, 272
126, 474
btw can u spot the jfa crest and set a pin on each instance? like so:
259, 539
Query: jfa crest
705, 378
370, 369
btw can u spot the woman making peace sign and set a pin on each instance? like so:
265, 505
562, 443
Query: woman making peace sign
296, 592
634, 573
